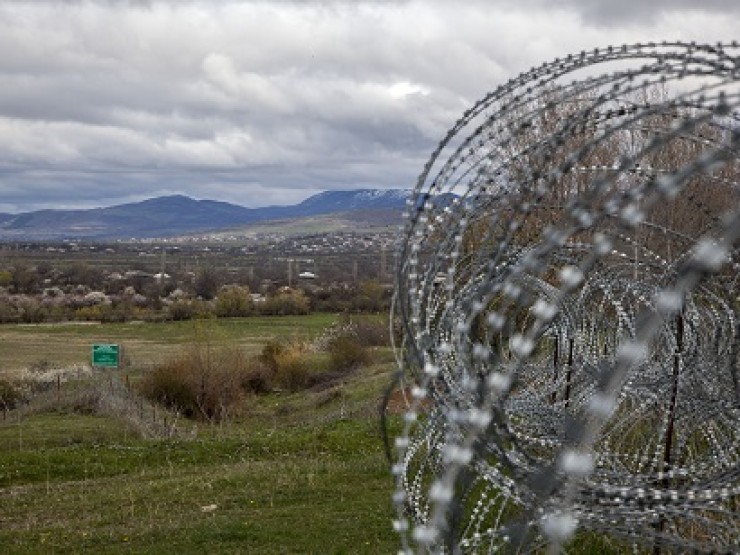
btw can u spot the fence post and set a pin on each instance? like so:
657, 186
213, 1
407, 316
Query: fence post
569, 374
555, 363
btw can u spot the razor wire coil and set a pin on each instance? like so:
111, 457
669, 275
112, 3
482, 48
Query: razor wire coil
566, 289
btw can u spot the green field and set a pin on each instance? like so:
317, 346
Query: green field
146, 343
294, 473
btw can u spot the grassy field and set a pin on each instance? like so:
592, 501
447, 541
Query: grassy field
146, 343
295, 473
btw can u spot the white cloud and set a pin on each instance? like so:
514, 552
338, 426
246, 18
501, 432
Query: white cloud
254, 101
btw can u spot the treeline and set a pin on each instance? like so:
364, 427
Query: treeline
80, 303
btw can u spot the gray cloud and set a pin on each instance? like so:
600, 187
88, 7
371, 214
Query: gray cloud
268, 102
607, 12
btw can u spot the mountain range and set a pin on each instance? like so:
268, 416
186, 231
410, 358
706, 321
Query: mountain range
178, 215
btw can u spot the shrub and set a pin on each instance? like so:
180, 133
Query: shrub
233, 301
346, 353
95, 313
270, 353
30, 310
371, 332
10, 395
181, 310
293, 369
367, 331
289, 364
258, 378
170, 384
122, 312
287, 302
8, 312
370, 297
205, 383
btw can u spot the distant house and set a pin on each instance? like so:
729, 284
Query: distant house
307, 275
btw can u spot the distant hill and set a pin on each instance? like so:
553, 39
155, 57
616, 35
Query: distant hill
178, 215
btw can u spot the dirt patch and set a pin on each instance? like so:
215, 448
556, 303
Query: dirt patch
399, 400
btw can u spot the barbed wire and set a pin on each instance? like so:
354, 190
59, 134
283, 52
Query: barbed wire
566, 287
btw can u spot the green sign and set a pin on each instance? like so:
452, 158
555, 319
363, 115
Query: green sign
105, 355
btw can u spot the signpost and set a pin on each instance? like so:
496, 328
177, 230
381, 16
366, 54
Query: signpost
106, 355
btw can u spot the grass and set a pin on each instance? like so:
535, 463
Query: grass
285, 479
299, 472
296, 473
145, 343
294, 492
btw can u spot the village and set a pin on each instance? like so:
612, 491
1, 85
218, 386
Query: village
188, 277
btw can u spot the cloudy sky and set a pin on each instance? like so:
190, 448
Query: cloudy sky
258, 102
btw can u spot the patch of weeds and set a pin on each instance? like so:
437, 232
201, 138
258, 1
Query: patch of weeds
11, 395
346, 353
206, 383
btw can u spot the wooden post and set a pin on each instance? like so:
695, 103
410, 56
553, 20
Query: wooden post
555, 363
569, 374
674, 392
669, 433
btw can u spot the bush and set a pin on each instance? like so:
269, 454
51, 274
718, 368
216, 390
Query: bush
181, 310
346, 353
30, 310
171, 384
206, 383
293, 369
95, 313
8, 312
10, 395
289, 364
371, 332
270, 353
258, 379
367, 331
287, 302
371, 297
233, 301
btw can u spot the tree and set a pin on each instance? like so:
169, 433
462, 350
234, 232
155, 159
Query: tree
25, 279
369, 297
206, 283
233, 301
